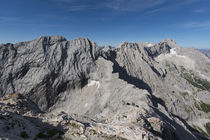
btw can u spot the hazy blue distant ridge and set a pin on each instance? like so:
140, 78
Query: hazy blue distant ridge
206, 52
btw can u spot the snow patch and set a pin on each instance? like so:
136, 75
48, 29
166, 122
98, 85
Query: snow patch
93, 82
177, 59
86, 105
149, 44
173, 52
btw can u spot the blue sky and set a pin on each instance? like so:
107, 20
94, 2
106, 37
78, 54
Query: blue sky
108, 21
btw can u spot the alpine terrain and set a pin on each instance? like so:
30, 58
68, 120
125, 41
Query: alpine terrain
51, 88
206, 52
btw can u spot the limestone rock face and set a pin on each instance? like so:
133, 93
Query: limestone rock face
161, 48
43, 68
80, 91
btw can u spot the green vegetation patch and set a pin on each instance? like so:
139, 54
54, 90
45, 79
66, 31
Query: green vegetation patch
194, 80
205, 107
169, 66
197, 105
202, 106
105, 136
74, 125
112, 137
200, 130
188, 109
184, 94
207, 126
93, 132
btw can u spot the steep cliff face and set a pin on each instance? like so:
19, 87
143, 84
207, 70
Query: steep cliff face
134, 91
43, 68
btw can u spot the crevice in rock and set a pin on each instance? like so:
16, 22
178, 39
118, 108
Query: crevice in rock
125, 76
23, 71
91, 50
64, 55
155, 101
156, 71
10, 81
188, 126
62, 87
83, 80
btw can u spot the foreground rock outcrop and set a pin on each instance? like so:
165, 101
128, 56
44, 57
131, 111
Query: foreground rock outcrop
76, 90
22, 119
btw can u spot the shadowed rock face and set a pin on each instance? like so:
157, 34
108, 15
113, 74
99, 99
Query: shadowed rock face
135, 90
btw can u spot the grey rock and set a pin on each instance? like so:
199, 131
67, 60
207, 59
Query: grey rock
135, 91
45, 67
161, 48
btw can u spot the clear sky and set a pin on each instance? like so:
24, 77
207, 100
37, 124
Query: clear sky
108, 21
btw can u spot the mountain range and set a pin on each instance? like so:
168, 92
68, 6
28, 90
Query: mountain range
51, 88
206, 52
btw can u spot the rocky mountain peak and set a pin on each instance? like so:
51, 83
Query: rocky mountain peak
123, 44
107, 48
52, 39
170, 42
130, 92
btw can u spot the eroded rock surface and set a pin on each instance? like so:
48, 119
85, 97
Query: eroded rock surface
76, 90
